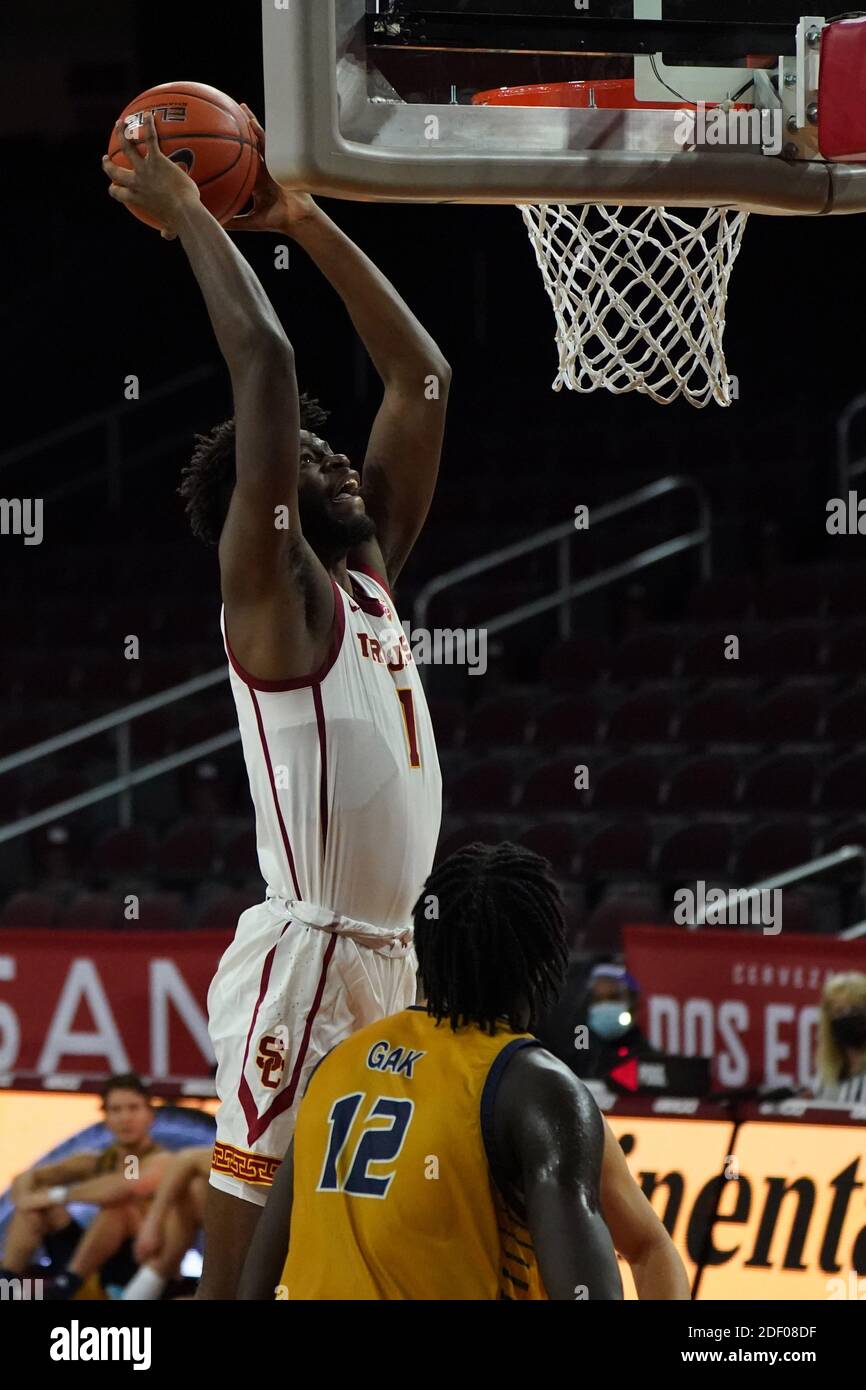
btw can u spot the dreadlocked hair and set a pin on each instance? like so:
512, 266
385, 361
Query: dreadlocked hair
490, 936
207, 481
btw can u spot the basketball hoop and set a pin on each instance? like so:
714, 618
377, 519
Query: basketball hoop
638, 293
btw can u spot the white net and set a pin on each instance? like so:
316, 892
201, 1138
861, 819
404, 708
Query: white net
639, 296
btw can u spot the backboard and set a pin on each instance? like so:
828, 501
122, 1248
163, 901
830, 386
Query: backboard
373, 99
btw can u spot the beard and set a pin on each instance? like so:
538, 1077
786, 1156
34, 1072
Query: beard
332, 537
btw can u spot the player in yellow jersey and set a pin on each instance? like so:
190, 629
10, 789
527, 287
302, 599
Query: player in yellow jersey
443, 1153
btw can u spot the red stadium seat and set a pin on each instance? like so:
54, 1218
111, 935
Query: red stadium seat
790, 714
487, 785
642, 718
846, 651
223, 912
161, 912
717, 717
843, 786
551, 787
94, 912
186, 854
786, 652
500, 720
447, 717
124, 853
785, 782
772, 849
794, 593
725, 597
557, 841
571, 664
632, 782
646, 655
846, 719
708, 782
603, 928
239, 858
29, 910
696, 851
705, 657
572, 719
621, 850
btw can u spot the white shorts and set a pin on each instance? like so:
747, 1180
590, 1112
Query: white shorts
286, 992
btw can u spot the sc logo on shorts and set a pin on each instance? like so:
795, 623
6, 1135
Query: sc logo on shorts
272, 1054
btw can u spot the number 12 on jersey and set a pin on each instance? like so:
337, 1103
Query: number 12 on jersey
378, 1145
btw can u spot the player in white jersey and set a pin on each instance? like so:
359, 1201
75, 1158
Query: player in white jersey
336, 733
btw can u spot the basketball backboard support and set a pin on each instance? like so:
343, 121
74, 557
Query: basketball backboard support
337, 126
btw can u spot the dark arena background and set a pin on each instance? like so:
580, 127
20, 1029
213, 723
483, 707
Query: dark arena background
692, 723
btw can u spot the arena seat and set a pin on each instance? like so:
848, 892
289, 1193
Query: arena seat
556, 841
620, 850
632, 782
646, 654
551, 787
486, 785
728, 596
93, 912
696, 851
29, 910
716, 717
846, 718
771, 849
707, 782
846, 651
783, 782
124, 853
788, 651
186, 853
222, 913
842, 786
789, 714
569, 719
499, 720
239, 857
571, 664
642, 718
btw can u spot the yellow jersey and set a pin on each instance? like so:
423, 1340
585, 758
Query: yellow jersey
393, 1194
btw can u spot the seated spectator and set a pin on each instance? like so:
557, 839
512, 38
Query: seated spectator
841, 1057
169, 1228
600, 1031
119, 1180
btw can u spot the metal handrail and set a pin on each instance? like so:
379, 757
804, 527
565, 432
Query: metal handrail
815, 866
560, 536
845, 469
121, 719
109, 419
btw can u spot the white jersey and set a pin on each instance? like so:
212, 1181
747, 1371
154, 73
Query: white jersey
343, 769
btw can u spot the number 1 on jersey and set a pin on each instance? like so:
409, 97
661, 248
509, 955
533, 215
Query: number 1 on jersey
407, 704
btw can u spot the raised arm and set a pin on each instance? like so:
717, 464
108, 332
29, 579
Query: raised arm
402, 460
549, 1141
271, 579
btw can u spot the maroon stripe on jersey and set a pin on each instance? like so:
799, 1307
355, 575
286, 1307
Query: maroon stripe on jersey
267, 756
244, 1093
368, 602
374, 574
299, 683
323, 767
257, 1124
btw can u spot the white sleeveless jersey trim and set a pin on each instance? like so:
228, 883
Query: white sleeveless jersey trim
342, 766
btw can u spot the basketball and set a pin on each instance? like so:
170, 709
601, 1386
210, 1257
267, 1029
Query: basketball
208, 133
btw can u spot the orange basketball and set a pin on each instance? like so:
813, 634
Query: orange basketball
205, 131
